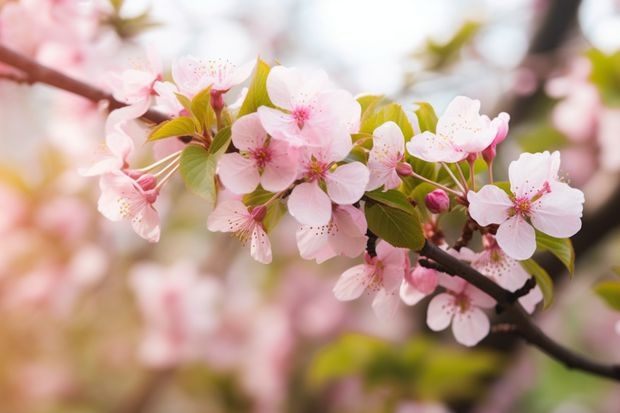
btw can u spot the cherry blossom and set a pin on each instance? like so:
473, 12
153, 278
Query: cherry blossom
537, 200
311, 112
345, 234
260, 159
233, 216
135, 85
460, 131
460, 306
437, 201
308, 203
178, 306
380, 275
131, 199
114, 156
417, 284
385, 157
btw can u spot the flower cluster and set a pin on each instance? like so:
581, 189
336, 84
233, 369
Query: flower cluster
351, 173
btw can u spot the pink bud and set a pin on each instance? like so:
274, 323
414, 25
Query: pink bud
404, 169
147, 181
501, 122
423, 279
437, 201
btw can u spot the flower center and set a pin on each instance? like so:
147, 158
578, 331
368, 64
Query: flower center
301, 114
316, 170
462, 302
522, 206
262, 156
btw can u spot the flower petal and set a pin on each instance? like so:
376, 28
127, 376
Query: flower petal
238, 174
409, 294
248, 133
433, 148
440, 312
352, 283
517, 238
309, 205
385, 304
558, 213
260, 246
471, 326
347, 183
490, 205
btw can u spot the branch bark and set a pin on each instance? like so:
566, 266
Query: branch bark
525, 326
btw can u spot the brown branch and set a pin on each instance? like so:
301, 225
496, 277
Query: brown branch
523, 322
34, 72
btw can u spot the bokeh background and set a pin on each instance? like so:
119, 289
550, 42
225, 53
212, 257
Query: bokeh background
95, 319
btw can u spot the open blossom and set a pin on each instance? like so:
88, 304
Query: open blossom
385, 157
380, 275
311, 112
233, 216
192, 74
135, 85
131, 199
345, 234
537, 200
114, 157
178, 306
461, 130
460, 306
260, 159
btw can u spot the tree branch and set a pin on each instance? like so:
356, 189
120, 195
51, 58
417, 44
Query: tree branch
523, 322
34, 72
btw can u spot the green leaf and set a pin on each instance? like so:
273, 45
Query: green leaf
257, 93
221, 141
181, 126
392, 198
606, 75
275, 211
397, 227
427, 118
420, 191
543, 280
610, 292
258, 197
368, 104
202, 110
198, 171
562, 248
391, 112
184, 101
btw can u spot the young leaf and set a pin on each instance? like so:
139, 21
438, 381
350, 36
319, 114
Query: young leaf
198, 171
399, 228
427, 118
543, 280
258, 197
220, 142
562, 248
202, 110
257, 93
181, 126
610, 292
392, 112
392, 198
368, 104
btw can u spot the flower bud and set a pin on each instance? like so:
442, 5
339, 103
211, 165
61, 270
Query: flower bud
404, 169
437, 201
423, 279
501, 122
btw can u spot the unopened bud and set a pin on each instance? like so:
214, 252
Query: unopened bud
404, 169
437, 201
147, 182
501, 123
217, 100
423, 279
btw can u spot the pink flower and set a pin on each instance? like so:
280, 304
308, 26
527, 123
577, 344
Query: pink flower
345, 185
114, 157
311, 113
125, 198
501, 123
460, 306
418, 284
233, 216
193, 75
135, 85
537, 200
345, 234
380, 275
461, 130
260, 159
385, 157
179, 311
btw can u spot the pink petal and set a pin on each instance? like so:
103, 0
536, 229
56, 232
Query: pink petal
260, 246
350, 226
432, 148
241, 73
471, 326
280, 125
409, 294
490, 205
248, 133
558, 213
238, 174
451, 282
282, 82
385, 304
281, 171
440, 311
313, 243
146, 224
531, 299
517, 238
352, 283
529, 173
478, 297
228, 216
342, 108
347, 183
309, 205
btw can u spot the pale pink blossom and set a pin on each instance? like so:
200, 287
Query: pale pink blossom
135, 85
537, 200
179, 309
124, 198
460, 306
386, 155
417, 284
233, 216
461, 131
380, 275
308, 203
114, 157
192, 74
260, 159
310, 111
345, 234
